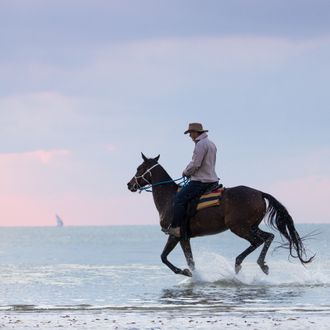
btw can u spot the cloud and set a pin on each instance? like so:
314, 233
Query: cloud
306, 198
42, 156
41, 120
34, 172
110, 147
37, 110
162, 65
130, 93
76, 209
220, 53
299, 178
36, 22
311, 162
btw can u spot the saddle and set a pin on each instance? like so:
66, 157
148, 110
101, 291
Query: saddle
210, 198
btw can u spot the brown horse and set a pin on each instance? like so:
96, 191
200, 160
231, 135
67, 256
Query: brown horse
241, 211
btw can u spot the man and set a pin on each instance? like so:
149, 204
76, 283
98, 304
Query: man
201, 171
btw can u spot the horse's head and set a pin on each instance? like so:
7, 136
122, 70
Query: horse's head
143, 175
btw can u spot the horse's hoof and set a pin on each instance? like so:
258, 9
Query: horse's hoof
237, 268
186, 272
265, 269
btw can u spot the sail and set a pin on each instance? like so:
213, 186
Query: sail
59, 221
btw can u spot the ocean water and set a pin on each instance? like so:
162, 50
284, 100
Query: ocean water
119, 269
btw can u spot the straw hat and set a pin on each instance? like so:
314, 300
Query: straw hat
195, 127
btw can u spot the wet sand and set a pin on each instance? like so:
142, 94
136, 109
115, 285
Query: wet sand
160, 320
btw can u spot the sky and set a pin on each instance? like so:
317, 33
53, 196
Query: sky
86, 86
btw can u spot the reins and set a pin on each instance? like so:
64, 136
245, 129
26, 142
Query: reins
183, 180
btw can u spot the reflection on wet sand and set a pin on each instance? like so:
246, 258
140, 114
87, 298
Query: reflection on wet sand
229, 298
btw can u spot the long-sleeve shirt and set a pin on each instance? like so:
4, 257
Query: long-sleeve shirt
202, 166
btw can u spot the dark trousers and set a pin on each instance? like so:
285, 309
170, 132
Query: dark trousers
192, 190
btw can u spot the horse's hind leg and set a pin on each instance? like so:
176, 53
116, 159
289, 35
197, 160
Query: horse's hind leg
255, 240
256, 237
268, 238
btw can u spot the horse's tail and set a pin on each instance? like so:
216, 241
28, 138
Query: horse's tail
280, 219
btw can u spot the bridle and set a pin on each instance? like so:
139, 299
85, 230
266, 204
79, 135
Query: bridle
148, 186
142, 177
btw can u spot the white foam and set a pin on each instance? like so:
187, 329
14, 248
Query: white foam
212, 267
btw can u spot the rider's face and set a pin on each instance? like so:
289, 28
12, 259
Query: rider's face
193, 135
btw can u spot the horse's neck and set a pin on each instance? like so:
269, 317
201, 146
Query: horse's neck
163, 195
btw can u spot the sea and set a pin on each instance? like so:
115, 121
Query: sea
118, 270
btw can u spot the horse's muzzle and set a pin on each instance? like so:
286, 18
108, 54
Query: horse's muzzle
132, 187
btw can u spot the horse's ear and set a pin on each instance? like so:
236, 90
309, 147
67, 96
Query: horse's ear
157, 158
144, 157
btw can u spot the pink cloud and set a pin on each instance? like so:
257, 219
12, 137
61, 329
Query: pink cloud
110, 147
306, 198
38, 184
76, 209
42, 156
33, 171
34, 188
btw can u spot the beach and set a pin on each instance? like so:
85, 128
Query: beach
164, 320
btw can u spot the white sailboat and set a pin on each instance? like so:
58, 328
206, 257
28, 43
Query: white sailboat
59, 221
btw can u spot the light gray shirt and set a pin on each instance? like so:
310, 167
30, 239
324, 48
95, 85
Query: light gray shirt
202, 166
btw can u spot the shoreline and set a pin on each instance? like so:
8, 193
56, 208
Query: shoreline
102, 320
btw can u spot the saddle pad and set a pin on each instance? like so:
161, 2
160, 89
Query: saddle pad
210, 199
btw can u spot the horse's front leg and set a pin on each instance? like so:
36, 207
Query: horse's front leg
186, 248
170, 245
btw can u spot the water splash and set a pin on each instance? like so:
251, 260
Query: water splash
214, 268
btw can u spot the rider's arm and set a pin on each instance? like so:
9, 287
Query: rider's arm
197, 159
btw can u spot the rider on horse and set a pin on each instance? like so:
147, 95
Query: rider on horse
201, 171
